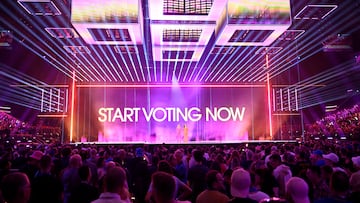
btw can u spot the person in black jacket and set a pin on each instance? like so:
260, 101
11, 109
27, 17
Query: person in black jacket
85, 192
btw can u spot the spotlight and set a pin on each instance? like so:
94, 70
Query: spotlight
337, 43
6, 39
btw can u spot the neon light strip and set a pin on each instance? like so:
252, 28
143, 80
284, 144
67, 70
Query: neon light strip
8, 112
72, 107
288, 94
273, 100
301, 85
42, 101
66, 99
39, 85
281, 101
52, 116
50, 100
58, 107
269, 96
191, 143
296, 101
169, 85
286, 114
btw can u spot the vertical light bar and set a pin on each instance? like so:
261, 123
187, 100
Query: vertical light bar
269, 95
281, 101
58, 102
72, 107
42, 100
50, 98
289, 98
296, 101
274, 97
66, 99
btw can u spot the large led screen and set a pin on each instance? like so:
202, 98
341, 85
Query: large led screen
170, 114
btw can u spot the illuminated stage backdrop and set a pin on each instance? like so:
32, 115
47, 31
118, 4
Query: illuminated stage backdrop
170, 114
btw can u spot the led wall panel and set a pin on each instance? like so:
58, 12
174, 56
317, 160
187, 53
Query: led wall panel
111, 22
259, 22
182, 10
185, 26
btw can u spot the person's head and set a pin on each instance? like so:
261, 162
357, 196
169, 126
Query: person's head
275, 160
297, 190
316, 155
314, 173
84, 173
240, 183
339, 183
331, 159
75, 161
15, 188
164, 166
198, 156
355, 182
214, 180
178, 154
163, 187
115, 180
93, 153
356, 162
45, 163
36, 155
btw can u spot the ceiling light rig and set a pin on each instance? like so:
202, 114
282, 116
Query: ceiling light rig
250, 23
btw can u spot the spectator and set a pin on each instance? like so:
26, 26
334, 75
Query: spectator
215, 184
116, 190
85, 192
45, 186
332, 160
70, 177
318, 188
164, 188
240, 186
339, 186
15, 188
182, 192
255, 193
282, 173
197, 174
297, 190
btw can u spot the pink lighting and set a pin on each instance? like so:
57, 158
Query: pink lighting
253, 15
109, 14
186, 17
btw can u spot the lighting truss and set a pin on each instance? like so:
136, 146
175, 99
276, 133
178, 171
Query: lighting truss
62, 32
268, 50
77, 49
315, 12
110, 22
252, 23
290, 35
39, 7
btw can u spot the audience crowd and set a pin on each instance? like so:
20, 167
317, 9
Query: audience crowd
342, 123
317, 171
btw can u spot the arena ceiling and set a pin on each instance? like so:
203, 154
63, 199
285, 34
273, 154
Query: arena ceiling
192, 42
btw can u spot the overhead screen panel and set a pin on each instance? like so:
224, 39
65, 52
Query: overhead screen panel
255, 23
110, 22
